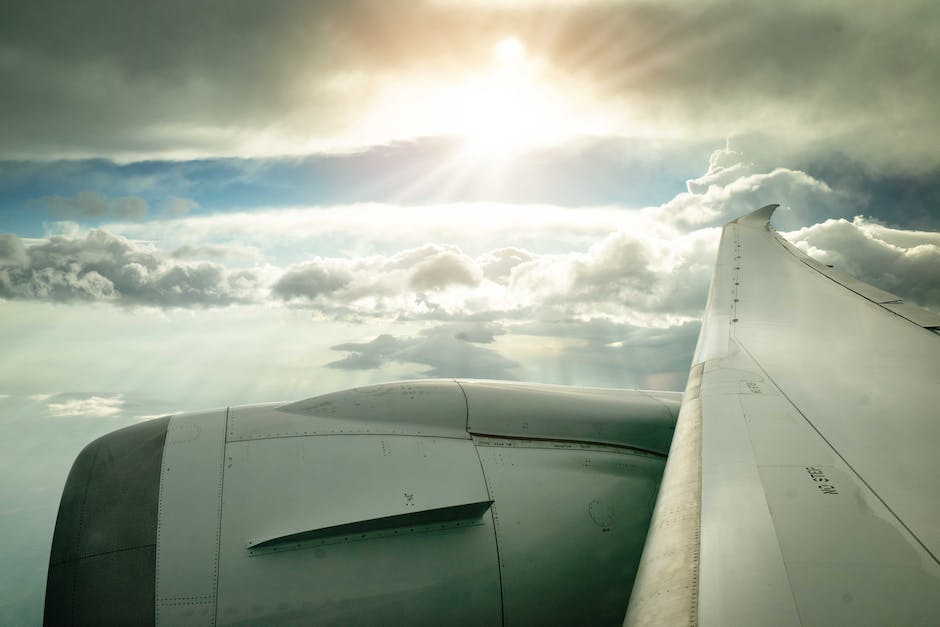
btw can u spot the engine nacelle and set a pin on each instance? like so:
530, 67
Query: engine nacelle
422, 502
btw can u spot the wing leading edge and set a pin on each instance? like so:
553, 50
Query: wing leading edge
800, 483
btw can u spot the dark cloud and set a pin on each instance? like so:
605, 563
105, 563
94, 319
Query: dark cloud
174, 207
104, 267
444, 268
906, 263
478, 333
108, 77
312, 279
12, 251
446, 351
817, 73
428, 268
84, 205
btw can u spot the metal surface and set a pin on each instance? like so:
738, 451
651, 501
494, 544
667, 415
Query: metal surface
630, 418
866, 291
818, 447
103, 547
570, 524
276, 486
666, 588
865, 379
431, 408
921, 317
369, 506
432, 519
188, 533
891, 302
742, 576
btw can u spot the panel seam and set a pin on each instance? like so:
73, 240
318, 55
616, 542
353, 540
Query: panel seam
493, 517
111, 552
218, 529
619, 447
840, 456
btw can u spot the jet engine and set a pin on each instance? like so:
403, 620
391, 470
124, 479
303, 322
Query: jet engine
423, 502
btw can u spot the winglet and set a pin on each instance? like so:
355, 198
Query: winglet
760, 217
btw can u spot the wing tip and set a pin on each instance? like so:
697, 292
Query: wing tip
758, 217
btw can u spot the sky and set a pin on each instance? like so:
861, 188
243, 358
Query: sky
220, 203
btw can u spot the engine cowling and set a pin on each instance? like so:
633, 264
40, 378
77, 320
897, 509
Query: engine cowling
421, 502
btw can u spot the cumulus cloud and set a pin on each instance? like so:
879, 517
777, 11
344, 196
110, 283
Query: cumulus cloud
443, 268
377, 282
628, 272
652, 270
94, 205
12, 251
101, 266
498, 264
903, 262
313, 279
446, 351
734, 186
637, 273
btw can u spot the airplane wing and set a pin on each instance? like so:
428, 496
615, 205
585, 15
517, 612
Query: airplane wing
800, 486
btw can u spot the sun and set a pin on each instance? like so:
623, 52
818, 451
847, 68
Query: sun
509, 50
512, 103
498, 116
507, 108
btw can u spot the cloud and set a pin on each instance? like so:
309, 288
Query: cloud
173, 207
312, 279
101, 266
12, 251
734, 186
229, 250
654, 270
816, 75
85, 405
498, 264
446, 350
85, 205
648, 267
904, 262
638, 273
379, 282
442, 268
820, 75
